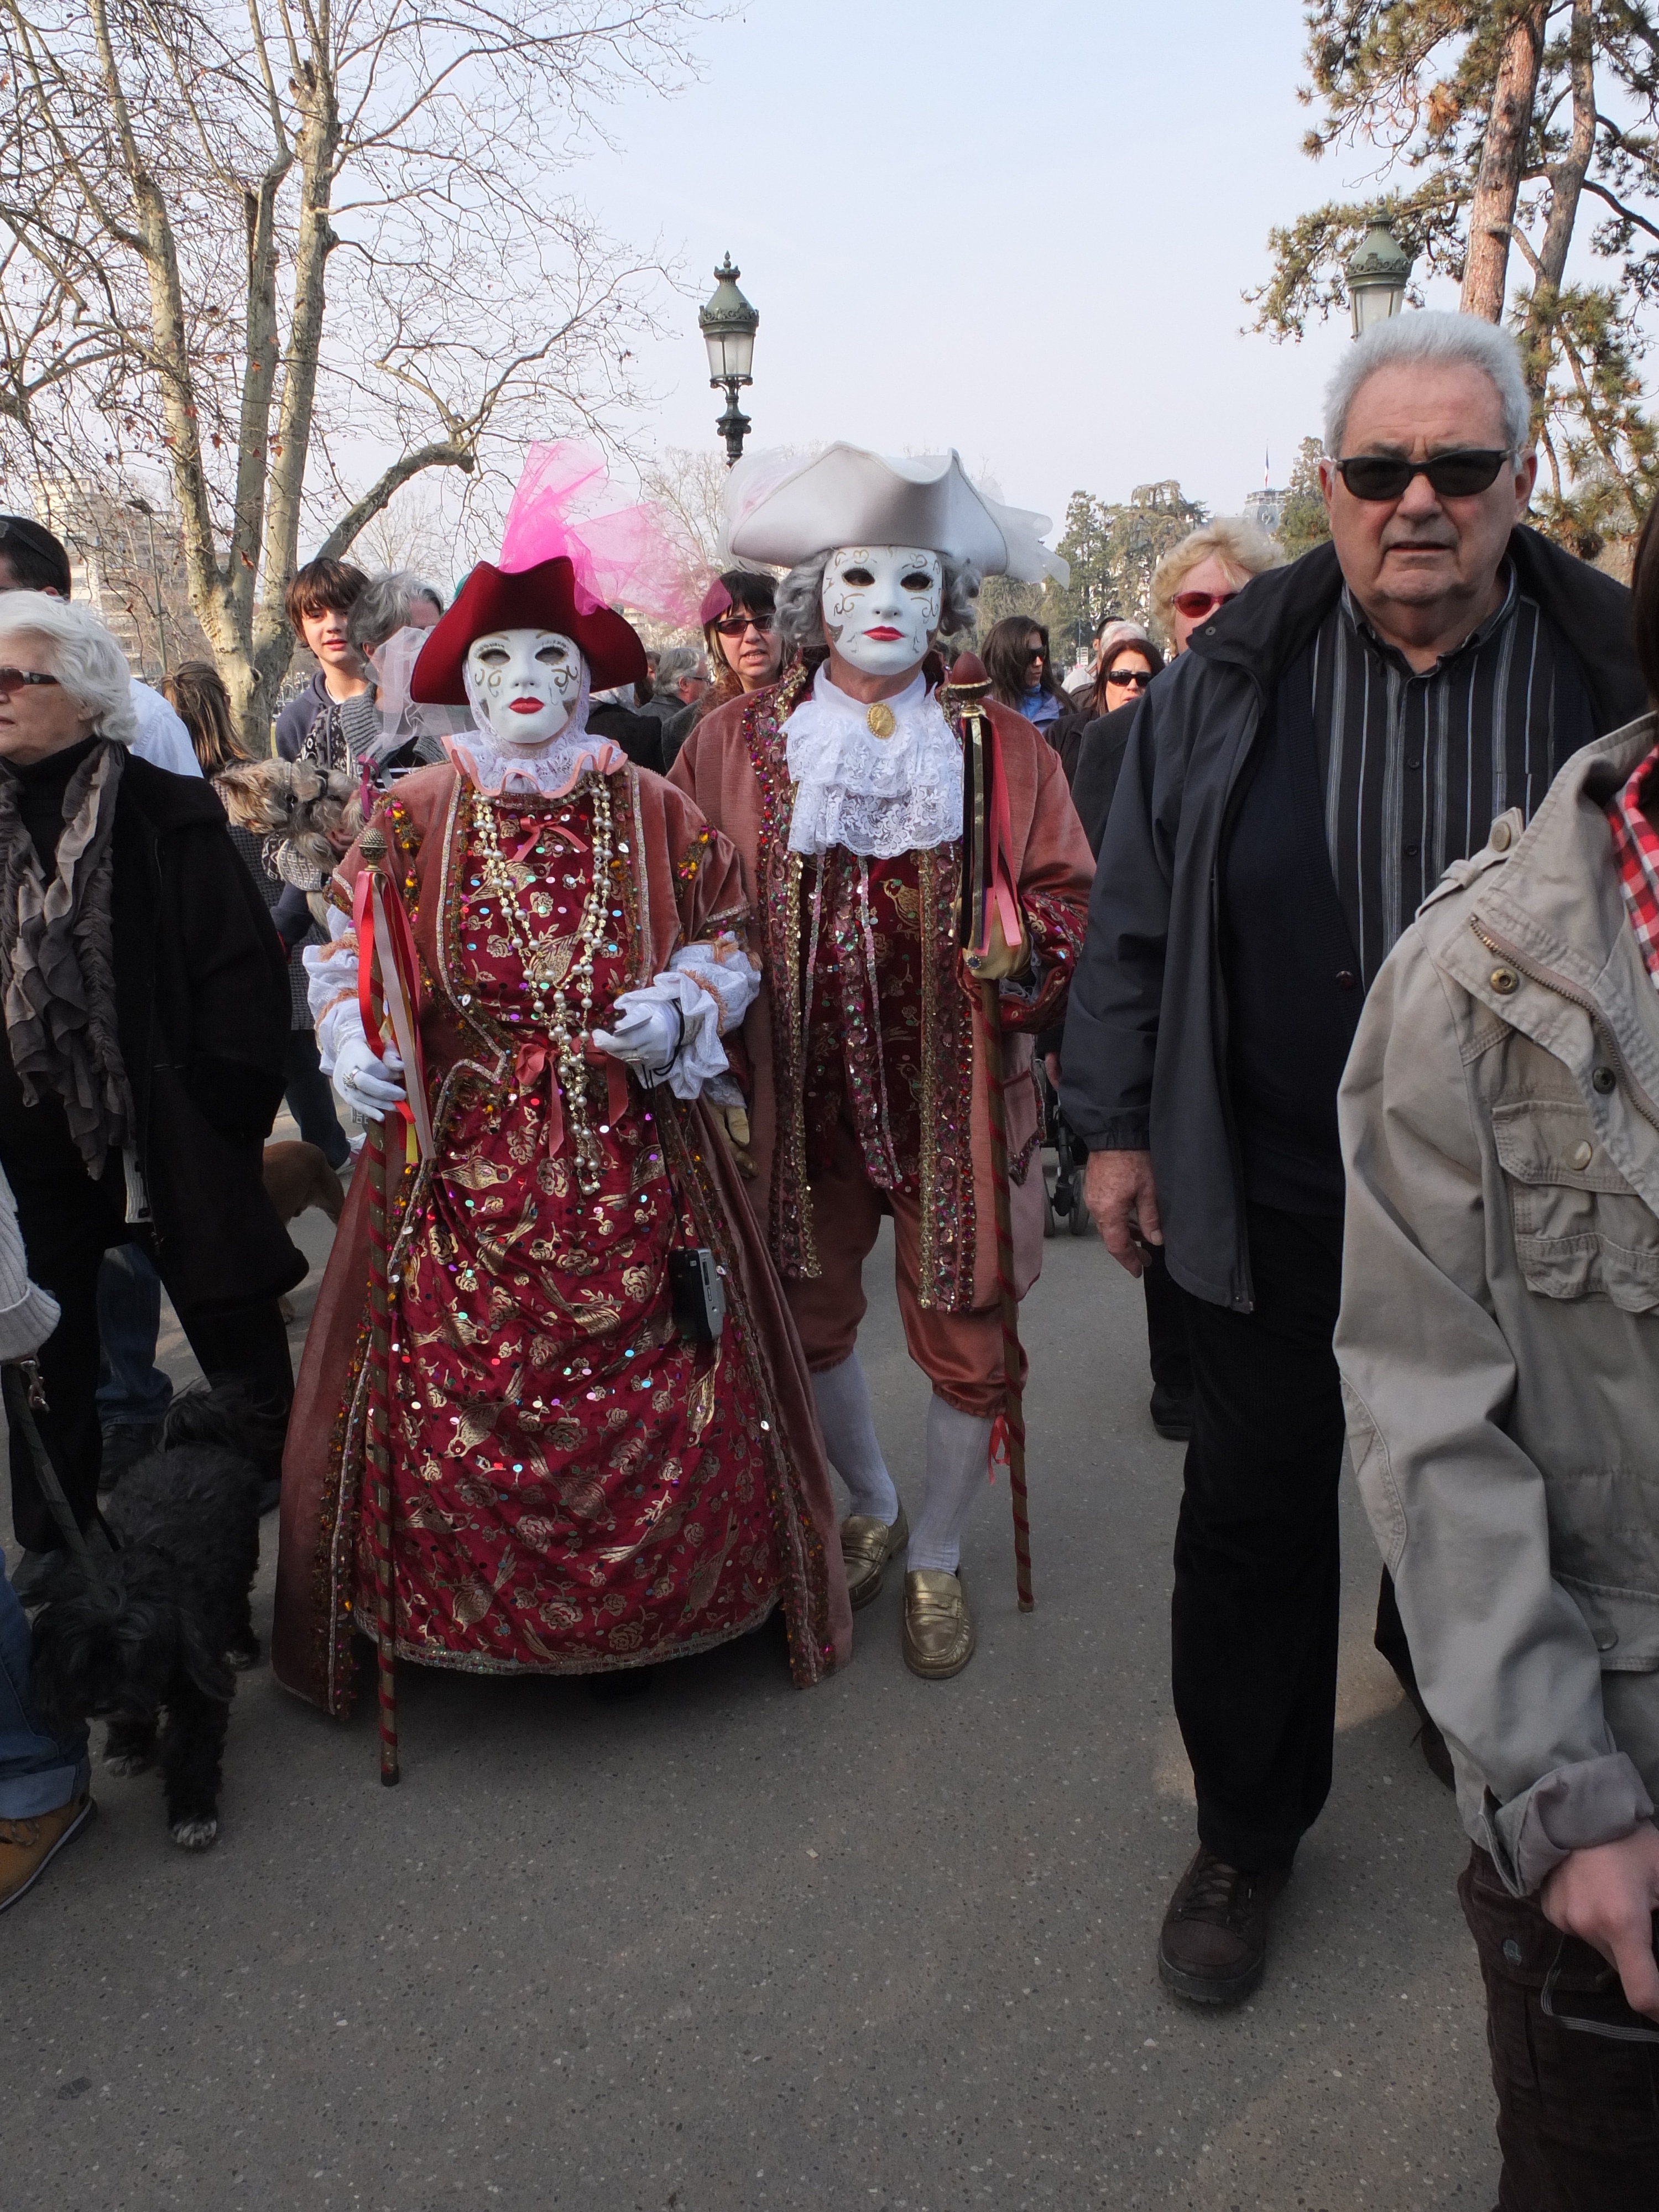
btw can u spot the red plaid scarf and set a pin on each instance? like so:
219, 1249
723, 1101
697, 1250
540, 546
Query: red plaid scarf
1636, 848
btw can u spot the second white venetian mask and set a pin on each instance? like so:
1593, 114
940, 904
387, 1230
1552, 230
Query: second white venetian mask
881, 605
523, 686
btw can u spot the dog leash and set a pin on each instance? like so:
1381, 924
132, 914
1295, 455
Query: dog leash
28, 1394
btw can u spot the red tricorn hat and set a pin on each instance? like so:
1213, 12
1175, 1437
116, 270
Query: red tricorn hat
542, 597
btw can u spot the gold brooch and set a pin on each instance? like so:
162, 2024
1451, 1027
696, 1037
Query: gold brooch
880, 720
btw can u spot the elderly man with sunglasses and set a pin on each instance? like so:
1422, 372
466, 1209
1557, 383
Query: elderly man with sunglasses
1295, 786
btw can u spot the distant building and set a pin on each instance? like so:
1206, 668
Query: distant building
1266, 510
127, 560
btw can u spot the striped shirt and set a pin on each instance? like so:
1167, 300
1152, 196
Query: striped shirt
1416, 768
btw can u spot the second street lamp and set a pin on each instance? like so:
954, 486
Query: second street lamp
1378, 275
728, 324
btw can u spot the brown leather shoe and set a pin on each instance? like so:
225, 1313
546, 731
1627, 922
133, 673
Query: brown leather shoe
28, 1847
867, 1543
1213, 1944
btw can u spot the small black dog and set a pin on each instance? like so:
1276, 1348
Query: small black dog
159, 1624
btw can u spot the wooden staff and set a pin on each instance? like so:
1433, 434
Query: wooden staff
983, 859
1013, 1381
378, 1440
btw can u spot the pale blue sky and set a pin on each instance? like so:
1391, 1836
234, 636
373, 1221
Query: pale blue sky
1019, 229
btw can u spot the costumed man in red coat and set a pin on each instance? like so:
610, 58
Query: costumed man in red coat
582, 1481
841, 787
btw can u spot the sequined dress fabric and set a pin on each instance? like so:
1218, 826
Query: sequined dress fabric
577, 1485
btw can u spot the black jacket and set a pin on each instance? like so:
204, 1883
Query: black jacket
1145, 1055
1100, 748
203, 1009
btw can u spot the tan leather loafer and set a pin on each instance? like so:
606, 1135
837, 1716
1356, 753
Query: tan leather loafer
28, 1847
939, 1629
866, 1544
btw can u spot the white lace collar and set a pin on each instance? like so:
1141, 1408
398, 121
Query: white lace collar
877, 796
495, 772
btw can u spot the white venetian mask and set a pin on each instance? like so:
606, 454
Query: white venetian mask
523, 686
881, 605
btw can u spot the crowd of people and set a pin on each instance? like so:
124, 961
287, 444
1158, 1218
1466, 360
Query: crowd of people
1328, 904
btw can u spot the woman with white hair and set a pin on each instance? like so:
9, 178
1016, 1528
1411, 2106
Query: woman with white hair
146, 1014
1198, 577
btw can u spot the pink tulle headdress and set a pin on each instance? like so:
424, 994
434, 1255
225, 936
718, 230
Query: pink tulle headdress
628, 558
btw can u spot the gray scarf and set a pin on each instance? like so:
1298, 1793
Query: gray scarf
55, 959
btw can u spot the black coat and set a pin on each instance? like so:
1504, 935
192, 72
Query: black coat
203, 1009
1144, 1062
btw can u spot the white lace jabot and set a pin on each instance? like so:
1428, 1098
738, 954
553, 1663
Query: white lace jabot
879, 797
496, 772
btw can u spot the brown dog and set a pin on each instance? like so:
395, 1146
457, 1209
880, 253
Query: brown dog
298, 1177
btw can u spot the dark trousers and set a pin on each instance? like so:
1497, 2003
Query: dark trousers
1166, 1325
1257, 1561
67, 1227
1577, 2112
310, 1099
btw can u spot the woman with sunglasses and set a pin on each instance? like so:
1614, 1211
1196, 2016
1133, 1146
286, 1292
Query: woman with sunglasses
1017, 660
1209, 568
744, 649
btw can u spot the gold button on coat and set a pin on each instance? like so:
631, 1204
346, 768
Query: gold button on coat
1582, 1153
1505, 980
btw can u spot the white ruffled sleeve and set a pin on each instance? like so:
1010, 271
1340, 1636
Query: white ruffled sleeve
331, 988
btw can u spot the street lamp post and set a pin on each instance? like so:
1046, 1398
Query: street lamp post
1378, 275
728, 324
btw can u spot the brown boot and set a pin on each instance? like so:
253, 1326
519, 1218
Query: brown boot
1213, 1944
28, 1847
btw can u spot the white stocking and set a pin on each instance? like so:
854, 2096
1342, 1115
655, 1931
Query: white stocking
842, 1397
959, 1445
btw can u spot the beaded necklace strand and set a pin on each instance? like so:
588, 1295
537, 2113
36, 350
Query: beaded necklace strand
561, 1006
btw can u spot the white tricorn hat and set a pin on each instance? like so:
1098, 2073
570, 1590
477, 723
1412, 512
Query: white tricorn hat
782, 509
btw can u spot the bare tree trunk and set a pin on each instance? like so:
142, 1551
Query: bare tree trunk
1502, 158
1566, 189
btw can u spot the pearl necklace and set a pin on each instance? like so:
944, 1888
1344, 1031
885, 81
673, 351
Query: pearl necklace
558, 977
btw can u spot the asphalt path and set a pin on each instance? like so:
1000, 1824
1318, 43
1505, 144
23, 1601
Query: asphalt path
883, 1943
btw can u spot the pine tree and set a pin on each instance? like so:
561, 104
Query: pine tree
1502, 120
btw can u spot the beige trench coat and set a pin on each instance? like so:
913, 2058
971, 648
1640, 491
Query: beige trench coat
1499, 1333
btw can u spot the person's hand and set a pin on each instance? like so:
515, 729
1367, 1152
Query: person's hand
648, 1033
1606, 1894
369, 1085
734, 1127
1051, 1062
1001, 962
1120, 1193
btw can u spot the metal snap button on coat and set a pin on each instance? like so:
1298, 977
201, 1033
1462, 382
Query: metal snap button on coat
1346, 979
1505, 980
1606, 1638
1512, 1951
1503, 837
1582, 1153
1604, 1079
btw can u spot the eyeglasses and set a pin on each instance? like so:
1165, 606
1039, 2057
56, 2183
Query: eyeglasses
1036, 653
1458, 475
739, 625
1140, 677
10, 678
1196, 604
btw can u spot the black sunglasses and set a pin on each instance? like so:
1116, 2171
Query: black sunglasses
1140, 676
737, 624
1454, 476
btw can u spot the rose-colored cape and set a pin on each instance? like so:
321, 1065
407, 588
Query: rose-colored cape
688, 886
733, 766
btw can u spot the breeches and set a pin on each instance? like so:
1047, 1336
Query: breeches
960, 1353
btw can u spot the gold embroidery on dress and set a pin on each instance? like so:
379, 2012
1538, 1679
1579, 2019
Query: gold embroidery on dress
925, 1256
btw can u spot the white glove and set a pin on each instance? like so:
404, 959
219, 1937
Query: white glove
368, 1084
650, 1029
